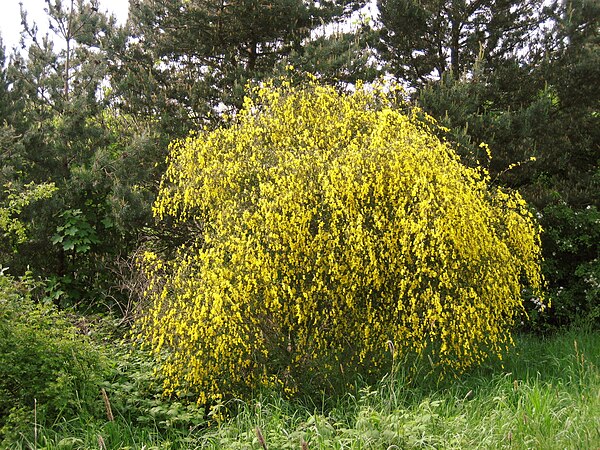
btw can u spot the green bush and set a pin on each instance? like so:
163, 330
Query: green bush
46, 363
571, 243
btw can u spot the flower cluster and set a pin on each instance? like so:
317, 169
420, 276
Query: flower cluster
329, 225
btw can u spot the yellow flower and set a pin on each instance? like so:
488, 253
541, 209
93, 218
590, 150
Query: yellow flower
328, 224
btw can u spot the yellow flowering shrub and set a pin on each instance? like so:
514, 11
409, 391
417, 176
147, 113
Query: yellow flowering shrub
327, 225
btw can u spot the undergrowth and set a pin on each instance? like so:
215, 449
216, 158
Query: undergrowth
547, 395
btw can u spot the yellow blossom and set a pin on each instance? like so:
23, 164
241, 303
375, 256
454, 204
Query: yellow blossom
328, 225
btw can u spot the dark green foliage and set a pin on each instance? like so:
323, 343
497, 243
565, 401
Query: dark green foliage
61, 125
572, 243
423, 40
10, 145
45, 363
3, 83
509, 110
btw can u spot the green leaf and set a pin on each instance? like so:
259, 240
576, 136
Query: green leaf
107, 222
82, 248
71, 231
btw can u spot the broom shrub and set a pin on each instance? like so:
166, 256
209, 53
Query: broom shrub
326, 229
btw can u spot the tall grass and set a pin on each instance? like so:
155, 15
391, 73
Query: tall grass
546, 395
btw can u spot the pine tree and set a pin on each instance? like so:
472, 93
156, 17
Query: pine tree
8, 136
3, 82
573, 71
423, 40
190, 60
69, 133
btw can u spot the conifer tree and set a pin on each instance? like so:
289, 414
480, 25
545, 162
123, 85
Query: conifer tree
70, 134
3, 81
8, 138
188, 60
423, 40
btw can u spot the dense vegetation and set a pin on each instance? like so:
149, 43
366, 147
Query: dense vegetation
87, 115
328, 227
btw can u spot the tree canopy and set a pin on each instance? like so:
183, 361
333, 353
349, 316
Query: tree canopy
425, 40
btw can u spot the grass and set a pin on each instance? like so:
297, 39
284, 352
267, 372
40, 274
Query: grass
547, 396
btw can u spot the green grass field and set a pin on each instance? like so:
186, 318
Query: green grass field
547, 396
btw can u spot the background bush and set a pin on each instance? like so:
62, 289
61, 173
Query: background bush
326, 230
572, 242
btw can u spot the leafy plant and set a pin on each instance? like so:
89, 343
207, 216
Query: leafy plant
45, 364
323, 226
14, 230
136, 395
76, 234
78, 276
572, 247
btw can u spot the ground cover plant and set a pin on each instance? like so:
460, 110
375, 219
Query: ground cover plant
48, 370
545, 396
